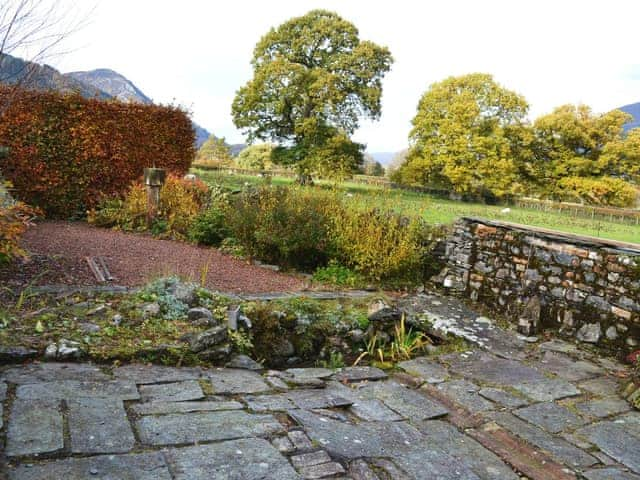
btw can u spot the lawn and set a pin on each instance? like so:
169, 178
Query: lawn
441, 211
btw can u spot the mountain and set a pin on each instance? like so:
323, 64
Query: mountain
120, 87
101, 83
383, 157
634, 110
14, 70
112, 83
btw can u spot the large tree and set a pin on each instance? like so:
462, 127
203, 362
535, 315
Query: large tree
469, 136
313, 79
215, 151
570, 141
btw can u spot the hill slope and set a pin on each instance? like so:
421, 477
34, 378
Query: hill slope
634, 110
112, 83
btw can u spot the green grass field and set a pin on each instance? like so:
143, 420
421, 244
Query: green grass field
441, 211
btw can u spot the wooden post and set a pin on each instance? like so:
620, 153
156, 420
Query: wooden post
154, 179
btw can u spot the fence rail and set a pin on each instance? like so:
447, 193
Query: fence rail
624, 215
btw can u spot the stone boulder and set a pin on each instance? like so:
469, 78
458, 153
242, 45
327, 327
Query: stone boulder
209, 339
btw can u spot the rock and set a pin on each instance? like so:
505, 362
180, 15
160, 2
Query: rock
51, 351
244, 322
356, 335
244, 362
88, 327
150, 309
68, 349
611, 333
116, 320
201, 316
589, 333
216, 354
10, 354
380, 312
283, 348
232, 317
209, 338
184, 292
99, 310
530, 318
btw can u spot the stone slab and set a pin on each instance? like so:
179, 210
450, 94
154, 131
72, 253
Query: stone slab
123, 390
567, 368
3, 391
178, 429
34, 427
604, 407
313, 399
557, 447
310, 372
550, 416
160, 408
425, 369
322, 470
50, 372
465, 394
99, 425
269, 403
366, 439
233, 381
617, 439
143, 374
484, 368
310, 459
374, 411
171, 392
601, 386
445, 437
300, 440
244, 459
502, 397
409, 403
140, 466
609, 474
359, 374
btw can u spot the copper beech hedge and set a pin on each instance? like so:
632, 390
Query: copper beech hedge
68, 152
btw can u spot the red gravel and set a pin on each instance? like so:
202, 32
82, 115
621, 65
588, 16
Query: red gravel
60, 248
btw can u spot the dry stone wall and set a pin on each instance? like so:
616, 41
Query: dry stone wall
583, 287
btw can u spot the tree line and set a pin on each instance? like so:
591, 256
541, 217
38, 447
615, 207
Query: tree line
314, 79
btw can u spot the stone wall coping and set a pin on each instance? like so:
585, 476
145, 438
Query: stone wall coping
557, 236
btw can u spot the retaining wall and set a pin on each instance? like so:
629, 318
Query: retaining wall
584, 287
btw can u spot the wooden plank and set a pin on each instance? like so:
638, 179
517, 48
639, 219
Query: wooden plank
107, 273
95, 270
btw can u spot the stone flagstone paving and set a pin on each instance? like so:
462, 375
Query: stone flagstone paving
466, 415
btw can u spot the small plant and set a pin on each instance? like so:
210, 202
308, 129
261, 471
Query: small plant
241, 341
336, 274
335, 361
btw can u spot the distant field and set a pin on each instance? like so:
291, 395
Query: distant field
441, 211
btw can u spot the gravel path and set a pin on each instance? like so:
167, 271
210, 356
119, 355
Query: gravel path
59, 249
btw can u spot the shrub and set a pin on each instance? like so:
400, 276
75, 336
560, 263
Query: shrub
209, 227
599, 191
337, 274
181, 201
379, 244
67, 153
14, 220
289, 226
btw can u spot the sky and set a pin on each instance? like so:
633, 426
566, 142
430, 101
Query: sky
197, 53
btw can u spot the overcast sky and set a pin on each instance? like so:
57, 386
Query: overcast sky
197, 52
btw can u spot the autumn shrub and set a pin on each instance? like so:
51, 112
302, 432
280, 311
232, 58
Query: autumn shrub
290, 226
316, 229
181, 201
209, 227
67, 153
14, 220
607, 191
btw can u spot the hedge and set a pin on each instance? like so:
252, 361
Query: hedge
67, 152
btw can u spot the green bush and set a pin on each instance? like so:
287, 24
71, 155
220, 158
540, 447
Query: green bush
288, 226
337, 274
209, 227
